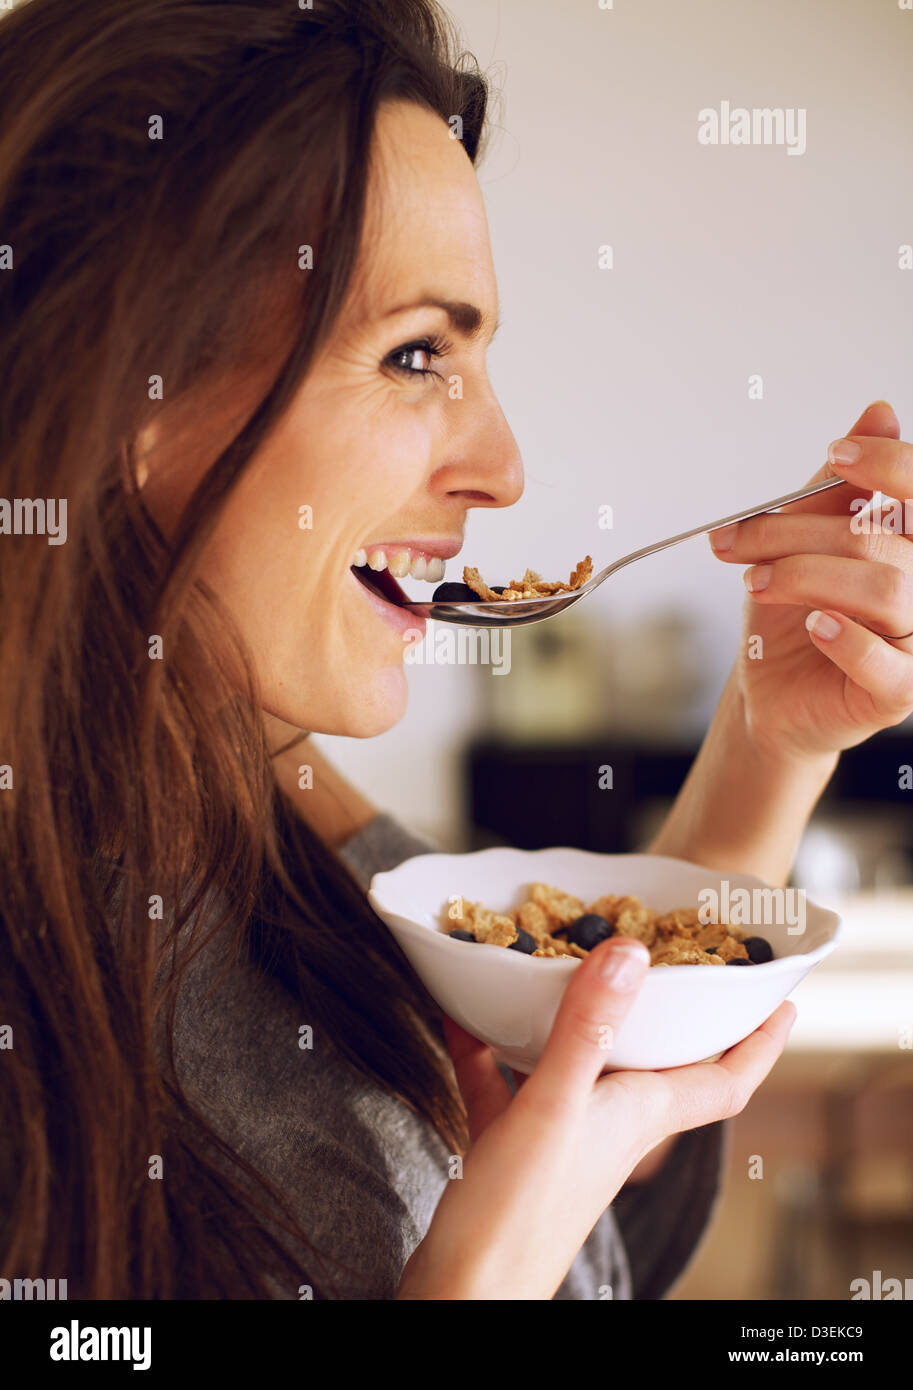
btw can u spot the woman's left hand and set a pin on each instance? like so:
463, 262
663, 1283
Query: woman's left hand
814, 691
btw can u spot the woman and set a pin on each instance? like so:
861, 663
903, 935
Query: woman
245, 245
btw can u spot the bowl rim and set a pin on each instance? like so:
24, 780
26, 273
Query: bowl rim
780, 965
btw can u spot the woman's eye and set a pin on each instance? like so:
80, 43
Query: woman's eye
414, 359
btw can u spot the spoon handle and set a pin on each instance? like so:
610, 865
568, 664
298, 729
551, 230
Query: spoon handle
724, 521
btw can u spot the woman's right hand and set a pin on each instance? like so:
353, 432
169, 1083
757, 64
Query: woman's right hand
544, 1164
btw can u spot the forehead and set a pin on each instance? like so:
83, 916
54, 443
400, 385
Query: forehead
425, 225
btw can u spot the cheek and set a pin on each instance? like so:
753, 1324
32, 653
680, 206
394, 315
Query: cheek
280, 555
365, 446
324, 659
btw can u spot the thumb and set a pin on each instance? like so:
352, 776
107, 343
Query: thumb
594, 1005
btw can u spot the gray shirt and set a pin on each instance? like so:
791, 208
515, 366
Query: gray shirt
363, 1172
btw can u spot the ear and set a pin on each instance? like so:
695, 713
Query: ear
137, 454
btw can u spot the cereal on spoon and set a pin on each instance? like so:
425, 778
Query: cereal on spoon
530, 586
552, 923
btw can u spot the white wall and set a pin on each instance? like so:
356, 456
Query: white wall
629, 386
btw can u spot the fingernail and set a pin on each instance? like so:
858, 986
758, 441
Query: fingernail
624, 965
843, 451
723, 539
879, 402
758, 577
822, 625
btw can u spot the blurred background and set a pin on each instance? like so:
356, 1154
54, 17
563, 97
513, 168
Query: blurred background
627, 387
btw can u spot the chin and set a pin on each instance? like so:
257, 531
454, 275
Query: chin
385, 706
369, 708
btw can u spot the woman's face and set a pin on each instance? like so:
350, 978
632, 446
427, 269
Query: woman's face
381, 444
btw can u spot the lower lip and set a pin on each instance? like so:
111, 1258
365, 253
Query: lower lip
398, 618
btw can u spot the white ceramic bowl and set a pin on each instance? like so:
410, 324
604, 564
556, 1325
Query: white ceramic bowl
682, 1014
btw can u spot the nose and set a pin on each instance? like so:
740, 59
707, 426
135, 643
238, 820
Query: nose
482, 464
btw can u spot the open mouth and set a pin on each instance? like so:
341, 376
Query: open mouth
381, 583
378, 567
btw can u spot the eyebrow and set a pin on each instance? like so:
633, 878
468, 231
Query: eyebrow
466, 318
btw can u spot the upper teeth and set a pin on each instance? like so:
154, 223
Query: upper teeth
402, 562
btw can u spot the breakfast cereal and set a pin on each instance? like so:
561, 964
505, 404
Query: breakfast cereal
553, 923
530, 586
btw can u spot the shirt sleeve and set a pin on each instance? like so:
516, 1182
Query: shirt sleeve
381, 845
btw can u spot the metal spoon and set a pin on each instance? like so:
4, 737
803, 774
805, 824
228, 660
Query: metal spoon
482, 613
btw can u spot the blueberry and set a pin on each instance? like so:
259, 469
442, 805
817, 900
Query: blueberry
459, 934
589, 930
497, 588
737, 960
759, 950
524, 942
454, 593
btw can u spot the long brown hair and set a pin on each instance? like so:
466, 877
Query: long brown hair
128, 777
